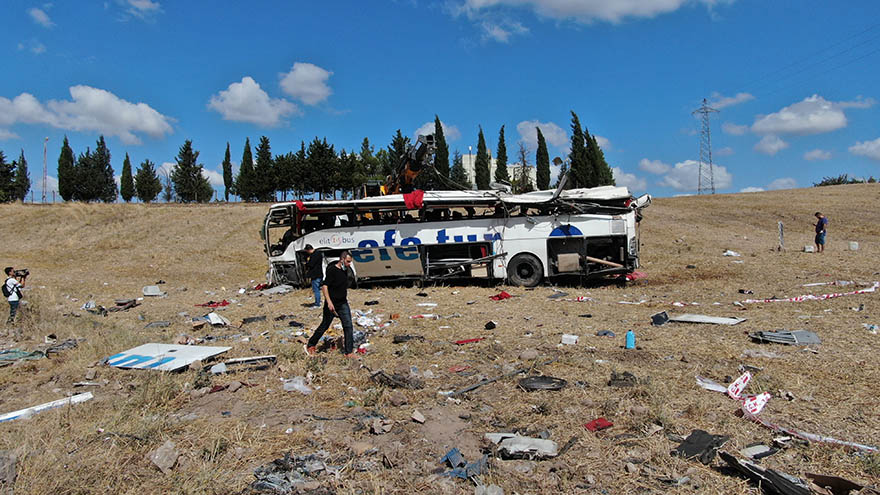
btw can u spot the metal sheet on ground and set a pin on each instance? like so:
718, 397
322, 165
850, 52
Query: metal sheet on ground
164, 357
716, 320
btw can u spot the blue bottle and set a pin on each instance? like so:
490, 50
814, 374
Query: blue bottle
630, 339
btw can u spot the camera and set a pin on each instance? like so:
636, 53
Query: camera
24, 272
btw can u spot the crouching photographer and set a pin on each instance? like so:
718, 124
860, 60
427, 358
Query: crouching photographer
15, 280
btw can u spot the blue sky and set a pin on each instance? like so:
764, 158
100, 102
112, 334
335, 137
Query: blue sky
795, 81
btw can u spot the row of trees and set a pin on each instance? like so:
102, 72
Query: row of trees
15, 181
315, 168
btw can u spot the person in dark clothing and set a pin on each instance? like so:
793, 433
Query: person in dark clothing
335, 289
314, 270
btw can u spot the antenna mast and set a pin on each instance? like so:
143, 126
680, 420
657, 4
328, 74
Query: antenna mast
706, 181
45, 169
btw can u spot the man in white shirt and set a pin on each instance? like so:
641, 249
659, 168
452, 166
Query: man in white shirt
13, 288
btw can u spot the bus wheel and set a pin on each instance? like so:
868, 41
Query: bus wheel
525, 270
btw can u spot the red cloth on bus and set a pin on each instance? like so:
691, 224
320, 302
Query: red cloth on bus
414, 199
300, 206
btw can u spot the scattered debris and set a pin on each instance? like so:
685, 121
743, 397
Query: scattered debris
625, 379
811, 297
759, 353
500, 296
660, 318
691, 318
123, 305
381, 426
605, 333
418, 417
278, 289
163, 357
7, 470
492, 380
490, 325
569, 339
839, 486
396, 380
871, 327
700, 445
757, 451
769, 479
158, 324
469, 341
731, 253
514, 446
153, 291
217, 320
30, 411
557, 295
598, 424
164, 457
12, 356
797, 337
461, 468
288, 474
297, 384
400, 339
251, 319
531, 383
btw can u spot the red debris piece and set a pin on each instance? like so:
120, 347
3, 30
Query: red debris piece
598, 424
458, 368
261, 286
469, 341
213, 304
217, 388
636, 275
501, 295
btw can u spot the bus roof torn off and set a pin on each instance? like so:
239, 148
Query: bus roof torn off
435, 235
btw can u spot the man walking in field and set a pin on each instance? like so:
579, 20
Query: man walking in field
821, 230
335, 290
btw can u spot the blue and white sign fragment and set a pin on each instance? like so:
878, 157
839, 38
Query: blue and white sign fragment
164, 357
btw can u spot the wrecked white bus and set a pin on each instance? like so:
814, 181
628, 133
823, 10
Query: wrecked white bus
521, 238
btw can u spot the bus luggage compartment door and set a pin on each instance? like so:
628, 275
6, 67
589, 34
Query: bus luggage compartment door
403, 261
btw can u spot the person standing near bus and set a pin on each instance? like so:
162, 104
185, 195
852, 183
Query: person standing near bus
821, 231
335, 290
314, 270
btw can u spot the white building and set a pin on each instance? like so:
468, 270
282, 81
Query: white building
513, 169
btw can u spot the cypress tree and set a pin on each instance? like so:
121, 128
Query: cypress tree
7, 178
581, 168
441, 155
244, 181
542, 162
481, 165
22, 183
66, 172
126, 182
300, 173
84, 184
147, 183
602, 172
458, 174
501, 174
228, 180
189, 183
264, 173
369, 162
104, 182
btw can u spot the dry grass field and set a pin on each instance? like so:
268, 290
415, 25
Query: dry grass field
78, 253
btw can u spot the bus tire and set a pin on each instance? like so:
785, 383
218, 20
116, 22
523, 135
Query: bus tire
525, 270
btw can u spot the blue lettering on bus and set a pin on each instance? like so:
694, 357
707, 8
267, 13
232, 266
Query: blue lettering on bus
389, 236
362, 255
407, 253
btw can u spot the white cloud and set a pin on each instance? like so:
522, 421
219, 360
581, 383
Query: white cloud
585, 11
751, 189
553, 134
733, 129
631, 181
725, 151
7, 134
91, 109
450, 132
684, 176
40, 17
603, 142
814, 115
247, 102
719, 101
817, 154
870, 149
502, 31
782, 183
860, 102
142, 9
307, 82
770, 145
214, 177
653, 166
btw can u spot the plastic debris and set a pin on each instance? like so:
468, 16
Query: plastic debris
514, 446
569, 339
796, 337
692, 318
297, 384
28, 412
164, 457
542, 383
153, 291
731, 253
769, 479
700, 445
500, 296
598, 424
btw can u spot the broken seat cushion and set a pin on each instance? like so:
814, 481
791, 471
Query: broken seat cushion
701, 445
